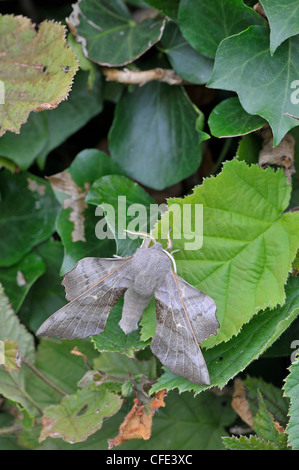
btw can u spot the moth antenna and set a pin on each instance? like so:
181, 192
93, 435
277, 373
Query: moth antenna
172, 259
117, 256
170, 242
175, 251
143, 234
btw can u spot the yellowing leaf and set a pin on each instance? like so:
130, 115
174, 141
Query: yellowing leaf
36, 69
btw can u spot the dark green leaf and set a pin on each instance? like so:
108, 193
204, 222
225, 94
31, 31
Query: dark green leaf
28, 212
229, 119
186, 61
291, 390
205, 23
283, 18
108, 33
121, 193
168, 7
263, 82
165, 112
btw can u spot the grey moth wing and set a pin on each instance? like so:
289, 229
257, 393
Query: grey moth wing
185, 317
93, 287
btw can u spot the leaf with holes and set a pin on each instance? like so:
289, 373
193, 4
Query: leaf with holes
37, 69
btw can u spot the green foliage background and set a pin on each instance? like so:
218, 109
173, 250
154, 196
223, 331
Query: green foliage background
193, 142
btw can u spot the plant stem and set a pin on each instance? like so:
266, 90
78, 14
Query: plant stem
44, 377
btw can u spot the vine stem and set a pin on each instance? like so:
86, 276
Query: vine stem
44, 377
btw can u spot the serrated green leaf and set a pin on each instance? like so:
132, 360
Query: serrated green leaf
26, 220
248, 242
265, 428
258, 77
283, 18
79, 415
226, 360
166, 112
205, 24
229, 119
291, 390
247, 443
108, 33
186, 61
121, 193
36, 68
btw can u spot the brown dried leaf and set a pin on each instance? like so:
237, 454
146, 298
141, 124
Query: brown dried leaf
138, 424
240, 403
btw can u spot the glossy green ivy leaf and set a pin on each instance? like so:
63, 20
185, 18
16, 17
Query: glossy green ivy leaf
18, 279
47, 294
167, 7
28, 211
108, 33
283, 18
229, 119
205, 24
76, 223
159, 110
37, 69
263, 82
46, 130
226, 360
186, 61
291, 390
126, 205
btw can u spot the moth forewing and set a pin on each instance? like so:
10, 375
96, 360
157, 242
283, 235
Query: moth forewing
181, 323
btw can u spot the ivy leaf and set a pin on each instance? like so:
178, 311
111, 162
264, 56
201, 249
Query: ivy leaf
205, 24
226, 360
229, 119
283, 18
77, 221
166, 112
37, 69
35, 208
167, 7
291, 390
257, 77
79, 415
107, 191
18, 279
108, 33
185, 60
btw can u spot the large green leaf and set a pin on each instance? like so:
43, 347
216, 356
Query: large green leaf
46, 130
36, 68
47, 294
186, 61
76, 222
229, 119
226, 360
168, 7
18, 279
283, 18
248, 242
204, 24
121, 193
263, 82
291, 389
165, 112
108, 33
28, 212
